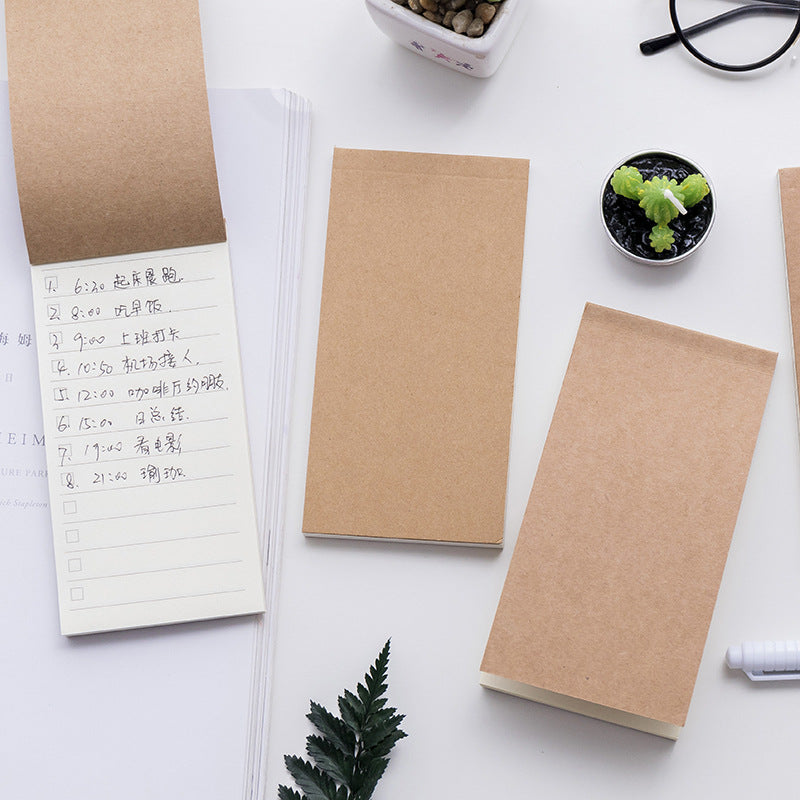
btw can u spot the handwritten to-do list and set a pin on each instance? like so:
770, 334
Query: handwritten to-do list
147, 452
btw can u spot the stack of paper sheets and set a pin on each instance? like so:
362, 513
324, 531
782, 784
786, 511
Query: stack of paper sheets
103, 695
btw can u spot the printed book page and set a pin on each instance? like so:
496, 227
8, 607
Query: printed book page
23, 474
148, 464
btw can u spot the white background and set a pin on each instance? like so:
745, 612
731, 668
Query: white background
574, 96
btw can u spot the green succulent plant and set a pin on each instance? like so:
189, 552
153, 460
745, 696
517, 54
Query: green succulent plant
662, 199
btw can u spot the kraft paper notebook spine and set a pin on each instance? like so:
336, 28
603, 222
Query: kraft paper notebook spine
612, 584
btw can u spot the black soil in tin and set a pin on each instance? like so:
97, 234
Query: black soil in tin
631, 228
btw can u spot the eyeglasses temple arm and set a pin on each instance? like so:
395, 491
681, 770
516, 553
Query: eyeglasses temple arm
659, 43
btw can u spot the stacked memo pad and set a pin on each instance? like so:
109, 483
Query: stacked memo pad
614, 577
417, 346
139, 363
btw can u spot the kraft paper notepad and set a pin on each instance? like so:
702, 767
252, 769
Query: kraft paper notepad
151, 492
613, 581
417, 345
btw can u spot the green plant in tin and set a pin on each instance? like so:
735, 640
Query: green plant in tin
662, 199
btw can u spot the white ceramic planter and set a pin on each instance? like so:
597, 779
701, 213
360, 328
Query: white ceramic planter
476, 57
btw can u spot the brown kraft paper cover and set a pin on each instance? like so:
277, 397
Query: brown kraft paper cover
614, 577
417, 346
111, 130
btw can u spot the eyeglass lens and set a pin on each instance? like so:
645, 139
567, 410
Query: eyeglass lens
737, 34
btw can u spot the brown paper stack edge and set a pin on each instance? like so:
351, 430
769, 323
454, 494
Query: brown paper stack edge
614, 577
789, 196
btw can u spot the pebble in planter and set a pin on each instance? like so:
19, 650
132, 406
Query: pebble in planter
468, 17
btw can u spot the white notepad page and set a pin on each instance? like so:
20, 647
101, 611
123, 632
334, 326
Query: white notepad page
151, 493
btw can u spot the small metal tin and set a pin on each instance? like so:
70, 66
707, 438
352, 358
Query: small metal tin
692, 167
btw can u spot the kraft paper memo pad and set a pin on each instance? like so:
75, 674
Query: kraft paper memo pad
417, 346
151, 493
612, 584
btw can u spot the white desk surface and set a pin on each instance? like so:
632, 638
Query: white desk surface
574, 96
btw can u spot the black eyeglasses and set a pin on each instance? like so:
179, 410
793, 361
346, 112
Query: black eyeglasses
764, 31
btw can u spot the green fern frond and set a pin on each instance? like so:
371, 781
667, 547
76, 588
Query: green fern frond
285, 793
351, 752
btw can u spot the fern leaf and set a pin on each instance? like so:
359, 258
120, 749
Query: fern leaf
285, 793
352, 716
330, 759
313, 781
382, 744
351, 752
370, 778
366, 697
332, 728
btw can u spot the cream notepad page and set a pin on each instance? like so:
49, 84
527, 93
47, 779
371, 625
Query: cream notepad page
148, 463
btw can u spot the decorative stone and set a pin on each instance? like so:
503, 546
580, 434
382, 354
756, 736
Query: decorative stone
475, 28
467, 17
486, 12
462, 21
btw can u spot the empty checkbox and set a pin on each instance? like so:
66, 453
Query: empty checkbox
74, 565
72, 536
76, 593
70, 507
